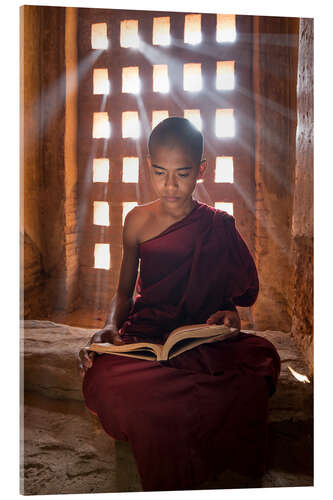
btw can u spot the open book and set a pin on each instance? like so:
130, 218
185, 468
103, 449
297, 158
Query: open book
180, 340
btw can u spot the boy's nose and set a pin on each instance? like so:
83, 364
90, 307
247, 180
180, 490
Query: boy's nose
170, 181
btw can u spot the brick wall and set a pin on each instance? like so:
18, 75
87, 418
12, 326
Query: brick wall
49, 172
275, 73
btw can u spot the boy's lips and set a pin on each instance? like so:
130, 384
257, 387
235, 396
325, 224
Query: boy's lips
170, 198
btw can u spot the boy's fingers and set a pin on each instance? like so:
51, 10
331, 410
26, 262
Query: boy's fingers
216, 318
90, 358
231, 320
86, 359
117, 340
227, 319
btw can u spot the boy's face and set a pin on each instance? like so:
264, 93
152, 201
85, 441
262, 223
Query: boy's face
174, 174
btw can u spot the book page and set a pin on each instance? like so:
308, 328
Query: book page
192, 342
107, 348
195, 331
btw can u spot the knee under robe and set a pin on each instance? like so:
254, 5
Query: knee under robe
207, 409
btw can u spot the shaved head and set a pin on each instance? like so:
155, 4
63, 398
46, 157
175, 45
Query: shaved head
177, 132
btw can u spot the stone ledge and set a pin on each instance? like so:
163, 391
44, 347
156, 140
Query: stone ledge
49, 351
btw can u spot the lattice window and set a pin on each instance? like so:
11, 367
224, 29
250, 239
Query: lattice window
139, 67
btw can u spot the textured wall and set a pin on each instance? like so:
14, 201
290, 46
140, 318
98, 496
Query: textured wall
31, 234
275, 73
302, 222
48, 159
71, 168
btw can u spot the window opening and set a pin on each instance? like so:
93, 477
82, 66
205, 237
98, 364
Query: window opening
225, 75
131, 80
160, 78
225, 123
158, 116
224, 169
101, 125
192, 77
130, 169
161, 31
127, 207
225, 206
101, 213
99, 39
225, 28
130, 124
192, 29
100, 170
129, 33
102, 258
101, 82
194, 116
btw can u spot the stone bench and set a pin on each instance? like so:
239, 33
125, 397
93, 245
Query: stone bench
49, 352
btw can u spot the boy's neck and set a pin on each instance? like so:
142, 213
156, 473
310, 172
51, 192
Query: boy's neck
177, 212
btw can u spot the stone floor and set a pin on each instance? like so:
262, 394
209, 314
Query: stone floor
64, 449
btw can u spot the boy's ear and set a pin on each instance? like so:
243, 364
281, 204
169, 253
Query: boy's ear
202, 168
149, 161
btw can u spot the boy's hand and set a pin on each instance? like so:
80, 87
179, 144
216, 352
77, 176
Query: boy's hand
228, 318
86, 357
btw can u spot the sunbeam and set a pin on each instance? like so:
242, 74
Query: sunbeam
143, 115
52, 99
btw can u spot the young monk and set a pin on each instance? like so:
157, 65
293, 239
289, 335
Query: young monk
206, 409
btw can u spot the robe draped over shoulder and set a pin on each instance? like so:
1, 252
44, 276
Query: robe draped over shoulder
205, 410
194, 268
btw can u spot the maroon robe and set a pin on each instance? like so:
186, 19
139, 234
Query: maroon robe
205, 410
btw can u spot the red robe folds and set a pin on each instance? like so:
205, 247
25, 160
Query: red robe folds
206, 409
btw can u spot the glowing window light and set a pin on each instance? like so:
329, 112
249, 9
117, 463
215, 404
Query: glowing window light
129, 33
224, 169
161, 31
225, 206
127, 207
192, 29
192, 77
101, 81
131, 169
194, 116
101, 170
131, 124
158, 116
225, 123
131, 80
101, 213
99, 38
225, 75
160, 78
225, 28
101, 125
102, 258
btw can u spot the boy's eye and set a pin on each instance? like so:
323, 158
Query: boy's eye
158, 173
183, 175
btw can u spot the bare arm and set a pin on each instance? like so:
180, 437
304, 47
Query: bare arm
123, 299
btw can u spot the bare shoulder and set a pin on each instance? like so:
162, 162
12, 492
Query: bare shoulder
137, 219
